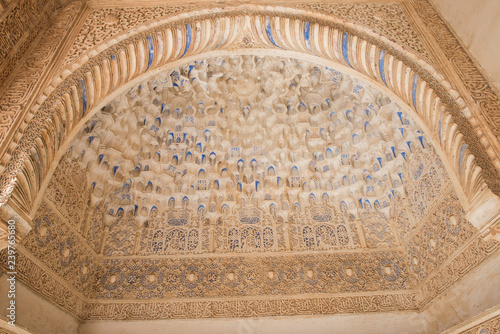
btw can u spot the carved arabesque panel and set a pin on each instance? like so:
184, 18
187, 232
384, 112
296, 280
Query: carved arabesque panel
69, 191
60, 248
389, 20
250, 276
104, 23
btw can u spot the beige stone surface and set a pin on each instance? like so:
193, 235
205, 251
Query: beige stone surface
36, 313
477, 25
401, 323
467, 298
485, 322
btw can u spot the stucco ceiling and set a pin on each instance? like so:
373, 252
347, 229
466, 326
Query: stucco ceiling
249, 175
246, 161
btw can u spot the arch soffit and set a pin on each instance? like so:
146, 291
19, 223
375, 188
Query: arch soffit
108, 69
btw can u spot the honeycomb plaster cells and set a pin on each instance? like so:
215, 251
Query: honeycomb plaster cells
249, 153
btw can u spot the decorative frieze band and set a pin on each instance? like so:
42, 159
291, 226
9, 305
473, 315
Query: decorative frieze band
44, 282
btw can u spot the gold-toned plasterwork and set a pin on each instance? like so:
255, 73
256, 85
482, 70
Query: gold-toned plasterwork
165, 286
19, 31
41, 281
479, 87
44, 282
74, 85
488, 327
248, 308
27, 81
433, 246
476, 252
103, 24
54, 289
389, 20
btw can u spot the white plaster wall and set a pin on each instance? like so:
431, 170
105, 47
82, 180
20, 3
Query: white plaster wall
36, 313
474, 293
389, 323
477, 24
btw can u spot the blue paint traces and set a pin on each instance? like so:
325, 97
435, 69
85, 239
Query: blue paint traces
462, 152
84, 97
221, 42
439, 126
414, 91
151, 51
269, 33
421, 139
400, 115
188, 39
307, 37
344, 48
409, 145
381, 65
